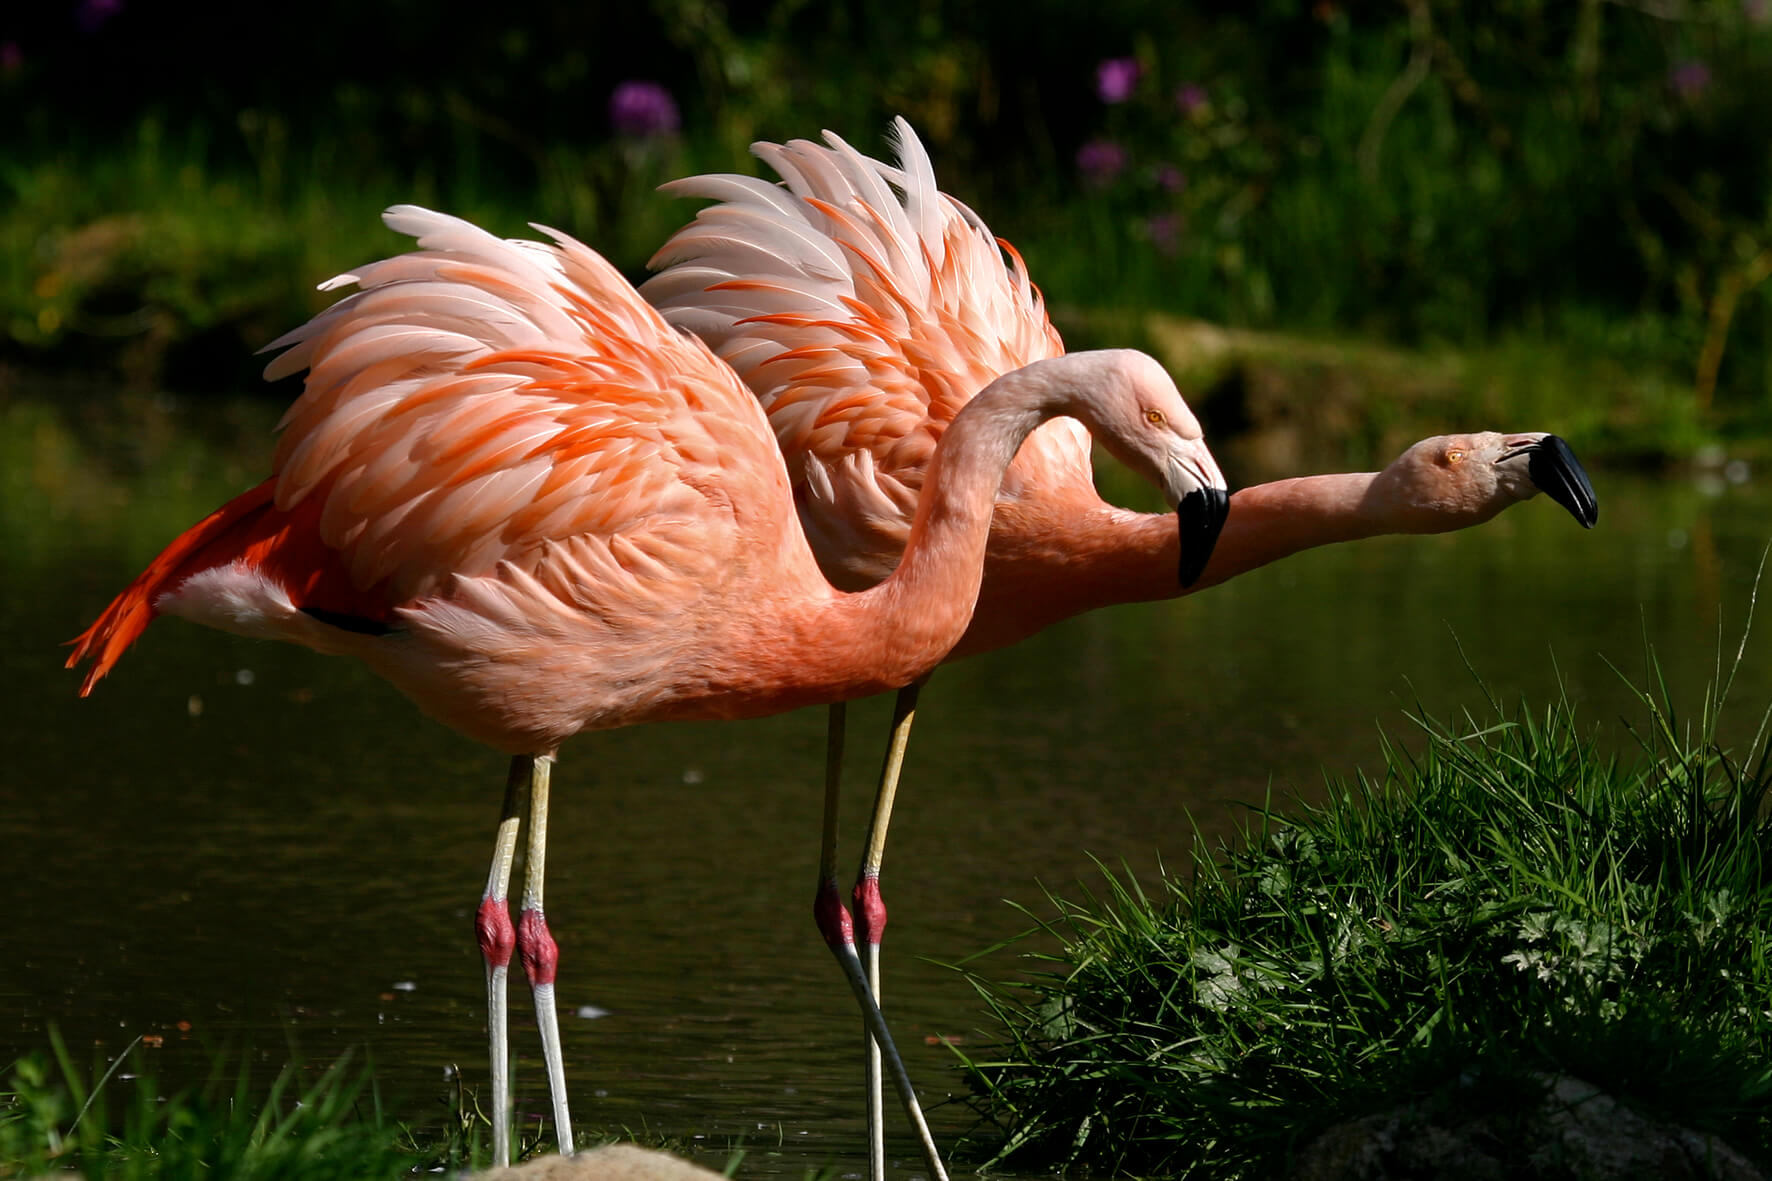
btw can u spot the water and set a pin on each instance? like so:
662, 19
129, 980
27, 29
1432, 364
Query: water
235, 843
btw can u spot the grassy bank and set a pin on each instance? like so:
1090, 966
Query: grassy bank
308, 1123
158, 262
114, 1122
1518, 907
1277, 403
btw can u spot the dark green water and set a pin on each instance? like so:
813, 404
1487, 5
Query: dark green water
275, 849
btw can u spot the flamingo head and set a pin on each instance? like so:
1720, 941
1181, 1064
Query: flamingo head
1148, 427
1457, 480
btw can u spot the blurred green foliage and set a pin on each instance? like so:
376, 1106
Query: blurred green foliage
1441, 172
1591, 174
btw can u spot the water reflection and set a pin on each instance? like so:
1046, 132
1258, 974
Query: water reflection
291, 857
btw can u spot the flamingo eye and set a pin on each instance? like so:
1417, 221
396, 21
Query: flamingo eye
1154, 417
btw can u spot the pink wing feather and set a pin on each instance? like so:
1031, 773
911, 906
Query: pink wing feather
863, 307
483, 401
490, 420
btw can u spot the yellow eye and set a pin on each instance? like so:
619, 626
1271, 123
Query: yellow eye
1455, 455
1154, 417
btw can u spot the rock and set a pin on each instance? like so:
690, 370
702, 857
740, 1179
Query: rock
612, 1162
1570, 1130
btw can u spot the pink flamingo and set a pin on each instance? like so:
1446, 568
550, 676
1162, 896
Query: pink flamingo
513, 490
865, 307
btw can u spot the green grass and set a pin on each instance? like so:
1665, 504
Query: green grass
166, 261
117, 1124
158, 261
309, 1123
1511, 900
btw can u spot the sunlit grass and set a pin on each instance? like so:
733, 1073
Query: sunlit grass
114, 1122
307, 1124
159, 261
1514, 899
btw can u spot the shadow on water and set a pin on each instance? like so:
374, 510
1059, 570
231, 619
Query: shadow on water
235, 842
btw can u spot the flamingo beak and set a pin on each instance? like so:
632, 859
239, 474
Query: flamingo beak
1201, 516
1556, 472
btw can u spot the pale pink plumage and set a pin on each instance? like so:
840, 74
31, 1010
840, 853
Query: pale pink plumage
864, 317
863, 307
518, 494
550, 497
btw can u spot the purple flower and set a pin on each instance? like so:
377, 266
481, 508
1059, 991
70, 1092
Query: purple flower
1116, 78
93, 15
1170, 178
1100, 161
1190, 98
11, 57
1689, 79
643, 110
1164, 231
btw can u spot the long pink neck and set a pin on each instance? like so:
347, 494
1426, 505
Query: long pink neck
1270, 521
897, 631
1108, 556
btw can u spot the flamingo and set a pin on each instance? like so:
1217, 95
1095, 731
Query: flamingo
865, 308
515, 492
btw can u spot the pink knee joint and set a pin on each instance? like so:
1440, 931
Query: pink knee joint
492, 926
832, 918
870, 909
541, 955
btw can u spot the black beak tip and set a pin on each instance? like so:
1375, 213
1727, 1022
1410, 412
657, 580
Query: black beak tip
1560, 476
1200, 517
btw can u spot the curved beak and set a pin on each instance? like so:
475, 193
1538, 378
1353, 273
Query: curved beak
1556, 472
1195, 486
1201, 516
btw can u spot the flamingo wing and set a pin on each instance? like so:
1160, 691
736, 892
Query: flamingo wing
505, 423
484, 402
864, 307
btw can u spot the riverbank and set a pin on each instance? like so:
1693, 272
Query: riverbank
1525, 951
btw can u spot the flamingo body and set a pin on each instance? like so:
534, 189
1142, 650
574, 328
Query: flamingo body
537, 509
516, 492
862, 306
864, 321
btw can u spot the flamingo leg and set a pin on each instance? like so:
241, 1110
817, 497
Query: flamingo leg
492, 926
539, 952
869, 907
835, 924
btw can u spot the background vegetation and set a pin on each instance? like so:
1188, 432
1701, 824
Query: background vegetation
1581, 179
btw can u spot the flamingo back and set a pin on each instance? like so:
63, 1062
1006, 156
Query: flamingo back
509, 460
483, 401
864, 307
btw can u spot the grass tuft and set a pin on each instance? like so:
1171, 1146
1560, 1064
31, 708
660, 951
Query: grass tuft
1510, 903
55, 1117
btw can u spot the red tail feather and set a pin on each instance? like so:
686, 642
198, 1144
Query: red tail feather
248, 528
